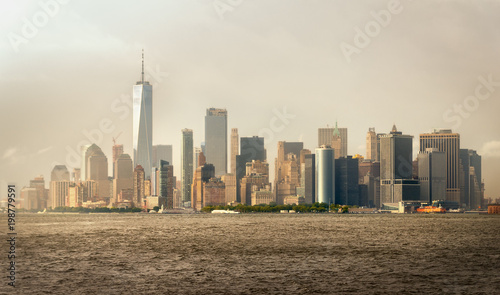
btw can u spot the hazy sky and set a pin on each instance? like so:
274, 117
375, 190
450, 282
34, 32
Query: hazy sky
67, 68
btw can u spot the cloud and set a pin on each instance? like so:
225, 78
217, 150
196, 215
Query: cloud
491, 149
9, 153
44, 150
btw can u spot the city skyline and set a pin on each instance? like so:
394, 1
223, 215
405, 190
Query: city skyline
436, 79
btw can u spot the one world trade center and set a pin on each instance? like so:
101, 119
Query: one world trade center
143, 123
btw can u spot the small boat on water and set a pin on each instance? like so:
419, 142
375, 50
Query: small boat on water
225, 212
431, 209
42, 212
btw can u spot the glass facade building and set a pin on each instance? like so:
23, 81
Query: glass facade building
143, 124
216, 139
325, 174
187, 164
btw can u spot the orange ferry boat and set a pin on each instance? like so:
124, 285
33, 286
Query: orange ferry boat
431, 209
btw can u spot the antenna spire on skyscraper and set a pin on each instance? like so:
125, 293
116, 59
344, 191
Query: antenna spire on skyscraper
142, 73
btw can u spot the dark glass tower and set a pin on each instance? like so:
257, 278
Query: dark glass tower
187, 164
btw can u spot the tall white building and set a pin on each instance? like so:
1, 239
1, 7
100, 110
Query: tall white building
143, 123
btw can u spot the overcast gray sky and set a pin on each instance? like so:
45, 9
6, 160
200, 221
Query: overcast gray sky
68, 67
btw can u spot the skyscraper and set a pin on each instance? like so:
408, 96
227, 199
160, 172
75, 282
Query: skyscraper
252, 148
83, 172
162, 152
117, 151
256, 178
287, 170
310, 179
58, 193
396, 183
42, 193
29, 199
139, 186
216, 139
234, 149
59, 184
187, 164
143, 123
166, 182
202, 175
231, 187
97, 170
432, 175
470, 162
343, 138
346, 181
59, 173
326, 136
325, 174
197, 152
337, 143
446, 141
124, 175
87, 151
285, 148
371, 145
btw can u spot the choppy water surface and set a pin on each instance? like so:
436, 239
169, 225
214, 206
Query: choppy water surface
257, 254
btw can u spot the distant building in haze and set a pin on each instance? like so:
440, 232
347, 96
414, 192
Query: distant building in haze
162, 152
216, 139
117, 151
326, 137
197, 152
231, 187
256, 178
83, 170
59, 173
97, 170
235, 150
372, 144
29, 199
124, 175
285, 148
251, 149
42, 194
86, 152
